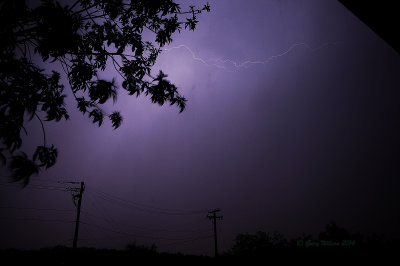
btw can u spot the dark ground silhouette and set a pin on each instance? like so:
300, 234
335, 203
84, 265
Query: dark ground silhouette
335, 243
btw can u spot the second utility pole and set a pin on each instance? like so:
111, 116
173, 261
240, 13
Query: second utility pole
78, 214
214, 218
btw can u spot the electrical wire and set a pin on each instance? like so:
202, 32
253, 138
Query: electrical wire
36, 219
107, 218
132, 235
34, 186
143, 207
147, 229
36, 209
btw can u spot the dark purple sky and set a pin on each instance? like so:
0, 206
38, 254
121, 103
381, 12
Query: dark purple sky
309, 136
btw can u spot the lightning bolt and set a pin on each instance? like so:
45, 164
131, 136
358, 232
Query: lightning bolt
228, 64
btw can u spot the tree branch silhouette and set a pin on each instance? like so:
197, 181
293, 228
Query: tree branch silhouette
80, 38
43, 130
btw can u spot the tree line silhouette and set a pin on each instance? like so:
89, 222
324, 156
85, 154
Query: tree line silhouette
333, 237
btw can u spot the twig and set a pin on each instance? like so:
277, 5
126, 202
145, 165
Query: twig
44, 132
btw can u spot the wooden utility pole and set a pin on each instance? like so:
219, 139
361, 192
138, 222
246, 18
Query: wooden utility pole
79, 196
214, 218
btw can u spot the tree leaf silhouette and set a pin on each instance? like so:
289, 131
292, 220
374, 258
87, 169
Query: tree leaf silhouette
22, 168
47, 156
102, 90
97, 116
116, 119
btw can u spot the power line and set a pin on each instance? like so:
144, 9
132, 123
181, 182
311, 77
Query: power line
134, 235
35, 209
119, 224
36, 219
86, 227
103, 210
143, 207
33, 186
125, 203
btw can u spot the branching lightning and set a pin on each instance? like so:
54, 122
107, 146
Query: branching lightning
228, 64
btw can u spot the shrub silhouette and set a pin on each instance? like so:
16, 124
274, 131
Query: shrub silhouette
257, 244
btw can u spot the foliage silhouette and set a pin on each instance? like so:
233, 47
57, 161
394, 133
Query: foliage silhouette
85, 38
141, 249
333, 232
257, 244
333, 238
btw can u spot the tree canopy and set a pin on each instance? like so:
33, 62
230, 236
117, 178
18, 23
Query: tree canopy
85, 37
